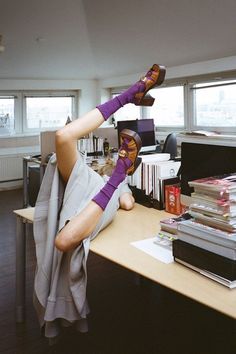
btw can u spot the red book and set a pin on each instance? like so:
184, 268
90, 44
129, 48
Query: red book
172, 199
224, 183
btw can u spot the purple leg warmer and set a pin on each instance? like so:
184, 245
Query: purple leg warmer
103, 197
110, 107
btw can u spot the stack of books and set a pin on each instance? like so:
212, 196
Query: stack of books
169, 230
214, 201
207, 242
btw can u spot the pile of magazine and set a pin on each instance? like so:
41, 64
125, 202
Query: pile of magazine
169, 230
207, 242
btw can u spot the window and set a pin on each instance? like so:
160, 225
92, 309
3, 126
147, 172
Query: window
7, 114
30, 112
47, 112
215, 104
167, 110
168, 107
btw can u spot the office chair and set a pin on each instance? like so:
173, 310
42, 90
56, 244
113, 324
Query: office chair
170, 145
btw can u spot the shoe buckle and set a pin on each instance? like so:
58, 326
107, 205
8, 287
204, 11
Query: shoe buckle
122, 153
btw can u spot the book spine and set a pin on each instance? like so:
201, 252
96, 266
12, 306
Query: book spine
202, 232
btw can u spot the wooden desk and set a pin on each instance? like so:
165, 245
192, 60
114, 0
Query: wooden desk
113, 243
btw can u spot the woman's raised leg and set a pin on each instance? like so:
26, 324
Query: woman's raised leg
82, 225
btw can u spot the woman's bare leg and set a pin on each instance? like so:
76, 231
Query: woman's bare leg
67, 137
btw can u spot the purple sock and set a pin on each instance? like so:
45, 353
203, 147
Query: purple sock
103, 197
110, 107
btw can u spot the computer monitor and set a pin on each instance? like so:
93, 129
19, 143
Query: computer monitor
204, 160
144, 127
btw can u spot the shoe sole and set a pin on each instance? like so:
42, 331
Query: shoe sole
147, 99
130, 134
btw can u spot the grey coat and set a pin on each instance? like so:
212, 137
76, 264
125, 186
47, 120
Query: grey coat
61, 278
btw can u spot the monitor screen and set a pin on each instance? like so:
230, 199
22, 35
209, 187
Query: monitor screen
144, 127
204, 160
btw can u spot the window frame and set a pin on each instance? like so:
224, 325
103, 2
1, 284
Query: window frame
210, 80
189, 103
20, 121
47, 93
17, 111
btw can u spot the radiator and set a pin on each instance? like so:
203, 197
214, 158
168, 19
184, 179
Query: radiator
11, 168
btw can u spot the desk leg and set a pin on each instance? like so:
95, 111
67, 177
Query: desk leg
20, 269
25, 183
41, 173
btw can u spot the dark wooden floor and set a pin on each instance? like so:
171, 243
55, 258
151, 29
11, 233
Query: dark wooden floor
126, 317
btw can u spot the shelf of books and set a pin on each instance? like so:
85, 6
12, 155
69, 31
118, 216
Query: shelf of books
149, 181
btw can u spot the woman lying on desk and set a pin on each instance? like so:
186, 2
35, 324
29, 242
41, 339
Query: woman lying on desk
76, 201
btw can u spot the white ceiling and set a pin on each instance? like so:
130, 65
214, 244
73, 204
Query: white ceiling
89, 39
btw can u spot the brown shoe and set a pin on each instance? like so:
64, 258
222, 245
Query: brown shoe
130, 147
154, 77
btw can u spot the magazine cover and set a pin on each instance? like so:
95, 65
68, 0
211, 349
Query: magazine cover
226, 225
171, 224
222, 182
210, 200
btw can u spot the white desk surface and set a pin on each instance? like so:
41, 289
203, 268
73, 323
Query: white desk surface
26, 213
113, 243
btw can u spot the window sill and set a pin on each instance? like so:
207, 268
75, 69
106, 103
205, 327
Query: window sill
20, 151
21, 135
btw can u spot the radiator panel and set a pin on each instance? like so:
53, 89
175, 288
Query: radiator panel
11, 168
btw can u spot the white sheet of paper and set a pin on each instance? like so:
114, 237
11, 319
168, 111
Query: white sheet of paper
160, 253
